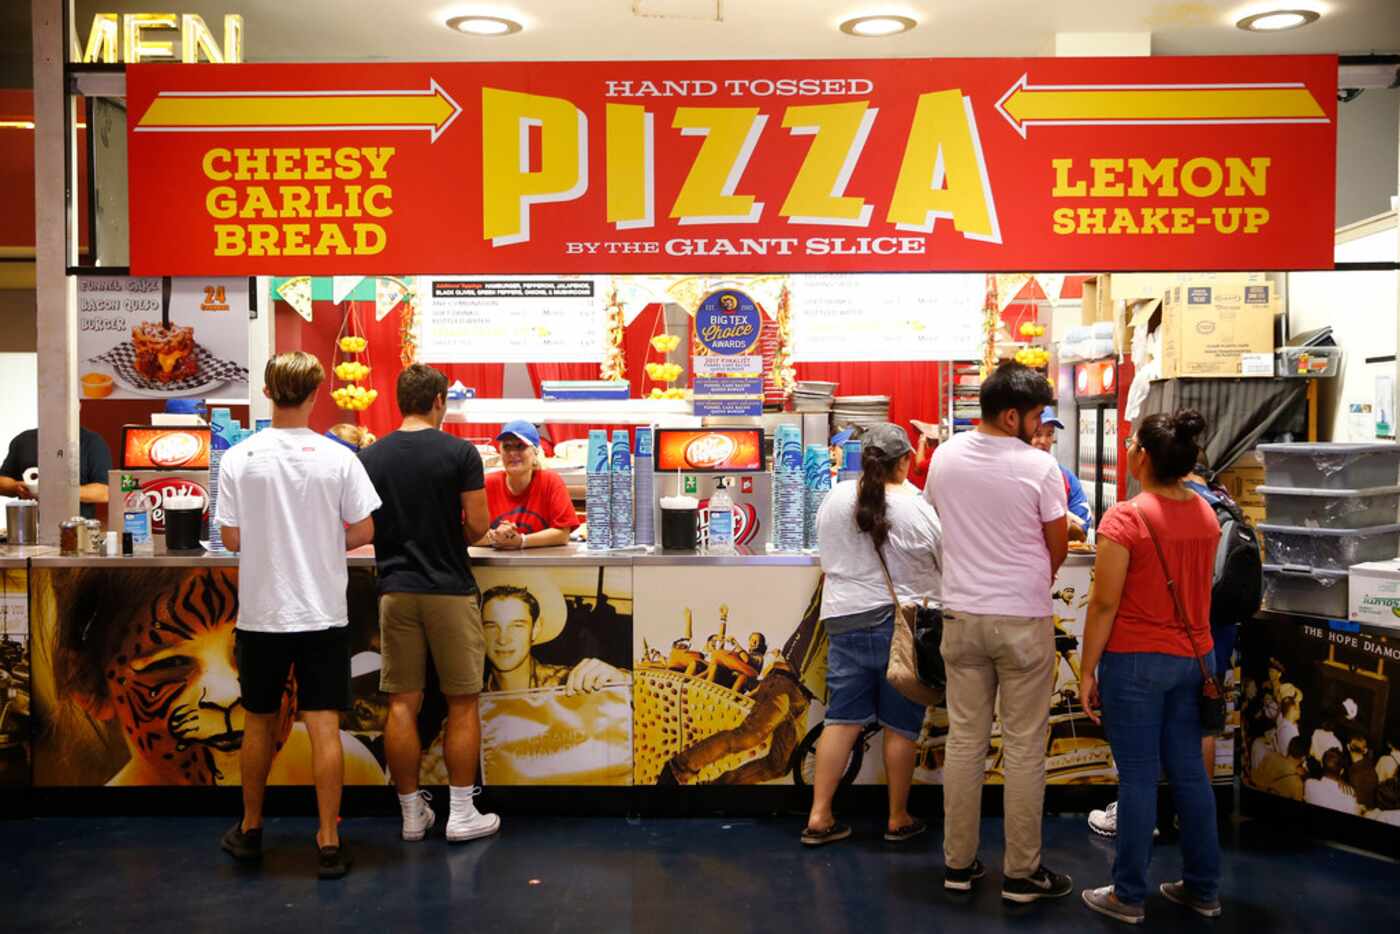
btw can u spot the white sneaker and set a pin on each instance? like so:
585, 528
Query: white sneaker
1105, 822
463, 826
418, 816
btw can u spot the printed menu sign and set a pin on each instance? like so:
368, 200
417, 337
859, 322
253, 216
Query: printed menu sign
732, 167
151, 337
522, 319
845, 318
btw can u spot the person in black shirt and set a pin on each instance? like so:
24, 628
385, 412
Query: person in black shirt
96, 464
434, 494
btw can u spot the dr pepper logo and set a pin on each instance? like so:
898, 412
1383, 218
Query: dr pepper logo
709, 451
160, 489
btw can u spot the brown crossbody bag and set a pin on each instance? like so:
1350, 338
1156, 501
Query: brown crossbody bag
1212, 695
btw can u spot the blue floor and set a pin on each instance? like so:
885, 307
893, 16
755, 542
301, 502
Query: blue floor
609, 874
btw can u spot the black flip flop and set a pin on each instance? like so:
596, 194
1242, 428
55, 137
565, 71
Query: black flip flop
908, 832
837, 831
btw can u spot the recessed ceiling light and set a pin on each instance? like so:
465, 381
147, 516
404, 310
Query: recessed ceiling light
1278, 20
871, 27
484, 25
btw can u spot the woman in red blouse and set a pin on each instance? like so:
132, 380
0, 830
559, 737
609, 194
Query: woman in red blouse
1139, 665
530, 506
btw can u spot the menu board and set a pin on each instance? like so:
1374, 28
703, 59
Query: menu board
162, 338
519, 319
887, 318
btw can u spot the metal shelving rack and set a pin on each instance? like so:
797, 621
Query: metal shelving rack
962, 381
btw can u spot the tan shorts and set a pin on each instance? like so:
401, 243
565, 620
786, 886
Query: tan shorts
411, 625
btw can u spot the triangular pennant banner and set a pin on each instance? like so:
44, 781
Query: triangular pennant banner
342, 286
296, 292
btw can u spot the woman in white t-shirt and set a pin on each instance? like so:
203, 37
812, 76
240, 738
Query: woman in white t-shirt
860, 521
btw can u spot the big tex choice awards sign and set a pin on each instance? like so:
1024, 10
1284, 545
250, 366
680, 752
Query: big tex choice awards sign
790, 166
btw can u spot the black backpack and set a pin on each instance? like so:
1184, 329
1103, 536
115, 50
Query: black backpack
1236, 591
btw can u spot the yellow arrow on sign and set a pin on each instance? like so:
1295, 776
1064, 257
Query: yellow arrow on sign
1026, 105
432, 110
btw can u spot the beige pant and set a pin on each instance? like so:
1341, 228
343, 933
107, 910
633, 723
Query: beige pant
1015, 657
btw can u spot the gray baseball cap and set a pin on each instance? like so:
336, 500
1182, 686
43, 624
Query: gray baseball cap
889, 438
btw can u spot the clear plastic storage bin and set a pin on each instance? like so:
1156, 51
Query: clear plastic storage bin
1352, 509
1309, 591
1328, 549
1331, 466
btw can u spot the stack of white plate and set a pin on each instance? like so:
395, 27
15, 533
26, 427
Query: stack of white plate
812, 396
859, 411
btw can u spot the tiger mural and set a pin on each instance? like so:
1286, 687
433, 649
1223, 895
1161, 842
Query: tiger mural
148, 655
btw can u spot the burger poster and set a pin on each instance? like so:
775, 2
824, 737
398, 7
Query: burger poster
162, 338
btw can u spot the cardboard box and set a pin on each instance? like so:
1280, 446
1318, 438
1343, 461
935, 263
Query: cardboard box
1375, 594
1097, 303
1219, 326
1242, 482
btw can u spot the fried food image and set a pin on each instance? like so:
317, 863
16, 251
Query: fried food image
163, 354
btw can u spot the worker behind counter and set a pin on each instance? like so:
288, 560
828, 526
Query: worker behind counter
530, 506
1080, 515
96, 464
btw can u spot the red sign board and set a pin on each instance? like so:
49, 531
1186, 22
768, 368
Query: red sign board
787, 166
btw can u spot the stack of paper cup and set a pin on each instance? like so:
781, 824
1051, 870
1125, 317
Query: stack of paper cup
787, 489
623, 534
816, 483
643, 484
598, 488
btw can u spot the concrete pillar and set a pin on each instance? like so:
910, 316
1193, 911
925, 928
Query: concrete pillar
56, 292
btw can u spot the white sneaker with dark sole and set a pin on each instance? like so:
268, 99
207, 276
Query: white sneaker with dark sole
418, 817
461, 829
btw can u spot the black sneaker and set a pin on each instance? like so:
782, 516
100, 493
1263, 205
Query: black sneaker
960, 880
1040, 884
244, 847
334, 861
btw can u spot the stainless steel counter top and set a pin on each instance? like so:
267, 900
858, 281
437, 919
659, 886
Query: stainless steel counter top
17, 556
43, 556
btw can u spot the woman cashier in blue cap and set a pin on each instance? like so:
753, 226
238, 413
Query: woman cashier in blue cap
1081, 516
530, 506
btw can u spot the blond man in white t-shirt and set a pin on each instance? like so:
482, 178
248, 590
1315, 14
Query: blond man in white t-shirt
1005, 535
291, 503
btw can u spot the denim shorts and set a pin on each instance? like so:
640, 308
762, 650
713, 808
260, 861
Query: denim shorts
857, 690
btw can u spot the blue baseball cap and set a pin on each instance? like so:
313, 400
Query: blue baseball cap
520, 429
841, 437
1048, 417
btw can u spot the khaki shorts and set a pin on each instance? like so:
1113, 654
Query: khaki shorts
411, 625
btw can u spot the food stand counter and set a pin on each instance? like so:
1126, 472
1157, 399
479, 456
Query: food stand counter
604, 669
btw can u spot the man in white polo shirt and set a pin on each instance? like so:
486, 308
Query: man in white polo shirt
1002, 505
291, 503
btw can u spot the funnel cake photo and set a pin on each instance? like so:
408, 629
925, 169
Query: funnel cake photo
164, 354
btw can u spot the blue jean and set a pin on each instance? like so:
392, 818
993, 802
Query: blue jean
1152, 715
858, 691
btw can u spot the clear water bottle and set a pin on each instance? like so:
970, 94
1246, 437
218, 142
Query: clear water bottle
721, 520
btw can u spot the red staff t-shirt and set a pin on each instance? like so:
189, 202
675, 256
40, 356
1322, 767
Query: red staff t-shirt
545, 504
1189, 533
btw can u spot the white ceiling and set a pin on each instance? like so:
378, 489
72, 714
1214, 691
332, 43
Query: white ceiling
413, 30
